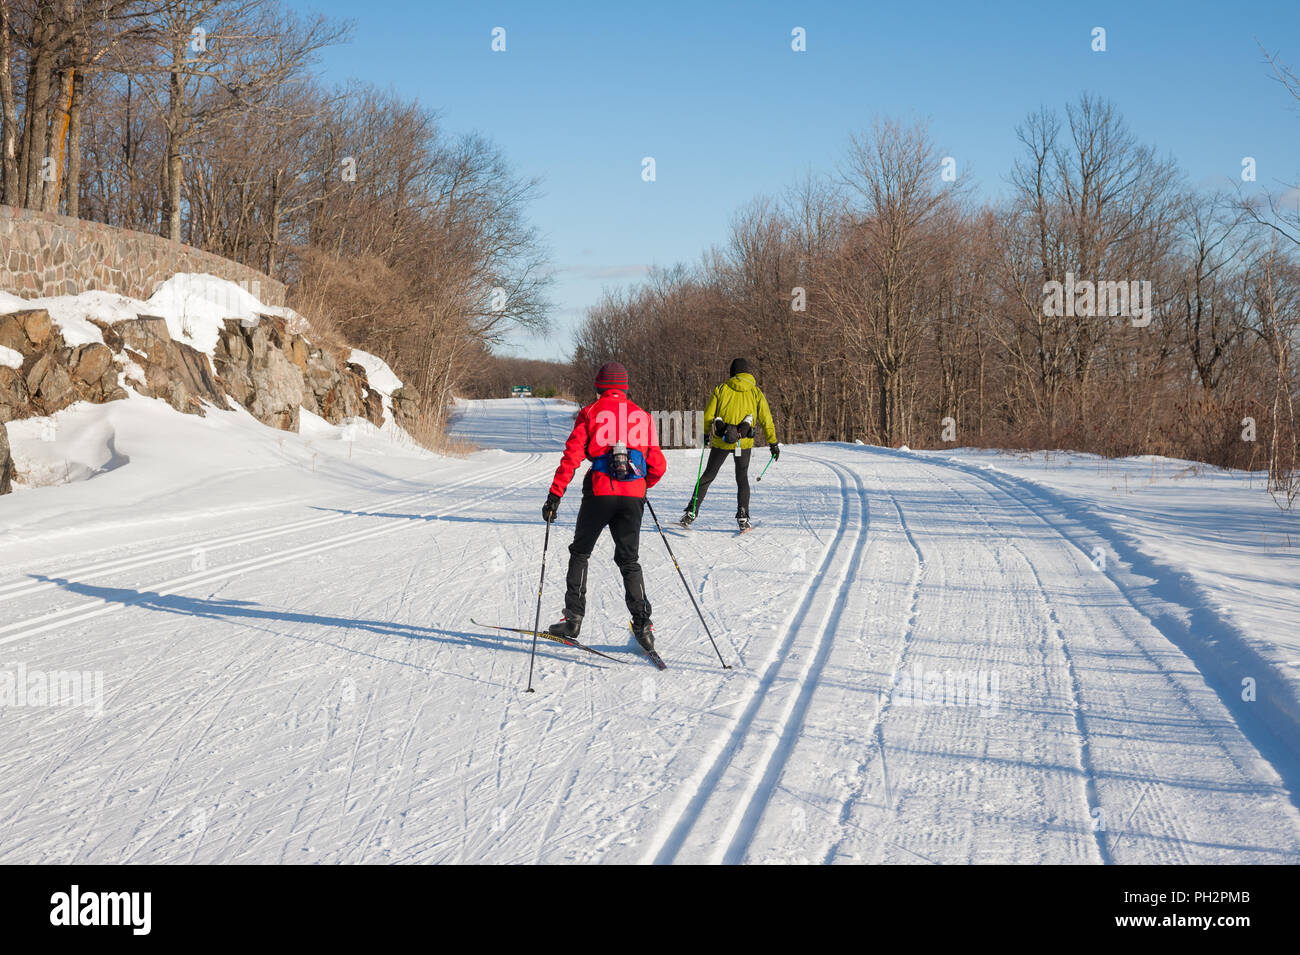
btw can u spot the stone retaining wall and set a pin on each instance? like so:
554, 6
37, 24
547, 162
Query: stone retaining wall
43, 255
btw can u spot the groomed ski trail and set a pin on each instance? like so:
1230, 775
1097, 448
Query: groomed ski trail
316, 694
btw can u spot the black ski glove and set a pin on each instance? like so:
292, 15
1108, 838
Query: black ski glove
776, 450
732, 434
551, 507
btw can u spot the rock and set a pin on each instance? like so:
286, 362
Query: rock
110, 335
278, 392
38, 326
177, 373
29, 331
13, 334
255, 368
372, 401
296, 349
143, 333
406, 408
339, 391
49, 385
375, 407
262, 365
13, 394
91, 362
53, 375
6, 461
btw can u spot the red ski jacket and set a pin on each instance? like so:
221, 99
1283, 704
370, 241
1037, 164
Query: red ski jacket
608, 420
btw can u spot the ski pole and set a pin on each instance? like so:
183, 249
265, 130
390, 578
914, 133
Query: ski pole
664, 538
537, 620
765, 467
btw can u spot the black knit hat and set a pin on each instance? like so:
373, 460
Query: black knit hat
739, 367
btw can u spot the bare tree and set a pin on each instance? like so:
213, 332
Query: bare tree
875, 290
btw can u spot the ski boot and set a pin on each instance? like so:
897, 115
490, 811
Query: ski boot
687, 519
644, 632
566, 627
742, 518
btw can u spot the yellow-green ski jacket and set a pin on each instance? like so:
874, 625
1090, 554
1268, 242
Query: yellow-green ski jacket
731, 401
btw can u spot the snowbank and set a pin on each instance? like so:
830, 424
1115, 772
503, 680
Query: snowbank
138, 459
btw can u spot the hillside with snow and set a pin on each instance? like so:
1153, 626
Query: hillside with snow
938, 657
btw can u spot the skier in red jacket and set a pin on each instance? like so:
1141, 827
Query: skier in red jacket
619, 440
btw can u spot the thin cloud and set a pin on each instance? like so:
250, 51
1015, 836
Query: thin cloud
605, 271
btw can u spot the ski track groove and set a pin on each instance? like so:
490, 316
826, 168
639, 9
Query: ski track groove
239, 678
24, 587
743, 824
534, 796
674, 830
1169, 817
884, 699
1086, 767
25, 629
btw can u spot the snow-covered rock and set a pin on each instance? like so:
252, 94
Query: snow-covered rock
51, 372
197, 340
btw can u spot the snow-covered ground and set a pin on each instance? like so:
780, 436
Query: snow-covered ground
931, 664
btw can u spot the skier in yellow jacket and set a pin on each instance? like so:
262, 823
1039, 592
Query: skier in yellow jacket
736, 407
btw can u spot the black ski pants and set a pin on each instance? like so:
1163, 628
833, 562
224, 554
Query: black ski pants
711, 468
622, 515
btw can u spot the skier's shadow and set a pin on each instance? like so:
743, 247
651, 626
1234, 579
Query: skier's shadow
235, 610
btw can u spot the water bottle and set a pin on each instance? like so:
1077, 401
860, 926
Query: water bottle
621, 463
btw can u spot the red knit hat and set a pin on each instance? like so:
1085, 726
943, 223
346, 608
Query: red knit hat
611, 375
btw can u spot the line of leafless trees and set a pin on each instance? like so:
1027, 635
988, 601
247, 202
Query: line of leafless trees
881, 303
206, 121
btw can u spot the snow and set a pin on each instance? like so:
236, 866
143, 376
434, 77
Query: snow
95, 468
10, 358
514, 424
1213, 540
72, 314
194, 306
378, 373
928, 665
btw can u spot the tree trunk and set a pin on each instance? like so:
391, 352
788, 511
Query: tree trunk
25, 147
8, 114
61, 120
172, 168
72, 202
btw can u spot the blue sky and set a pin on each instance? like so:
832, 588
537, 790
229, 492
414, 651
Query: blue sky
715, 94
